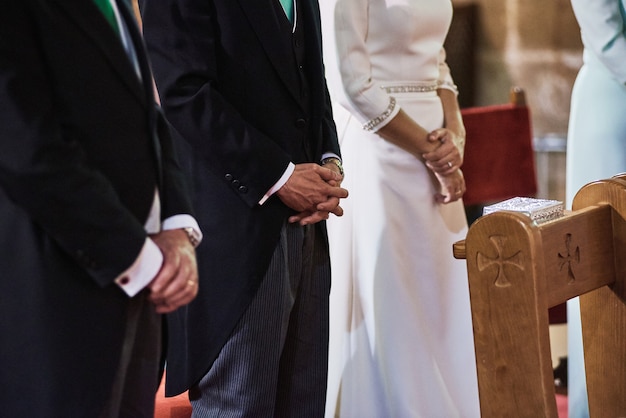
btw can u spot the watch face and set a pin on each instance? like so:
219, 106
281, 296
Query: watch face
335, 161
191, 234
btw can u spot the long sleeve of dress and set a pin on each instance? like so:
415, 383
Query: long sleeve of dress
445, 80
370, 104
385, 47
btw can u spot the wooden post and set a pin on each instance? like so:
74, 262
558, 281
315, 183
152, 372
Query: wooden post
603, 311
518, 269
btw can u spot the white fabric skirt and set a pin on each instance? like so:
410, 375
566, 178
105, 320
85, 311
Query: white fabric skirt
401, 342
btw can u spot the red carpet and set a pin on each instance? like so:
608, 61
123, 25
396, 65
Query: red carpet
174, 407
561, 405
179, 407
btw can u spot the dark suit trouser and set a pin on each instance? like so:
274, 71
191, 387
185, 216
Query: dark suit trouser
275, 363
136, 382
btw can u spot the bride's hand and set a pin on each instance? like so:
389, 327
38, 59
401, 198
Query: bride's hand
452, 186
448, 157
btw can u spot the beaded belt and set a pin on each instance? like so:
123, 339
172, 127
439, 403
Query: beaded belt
411, 88
417, 87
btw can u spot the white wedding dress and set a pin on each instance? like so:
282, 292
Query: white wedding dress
401, 342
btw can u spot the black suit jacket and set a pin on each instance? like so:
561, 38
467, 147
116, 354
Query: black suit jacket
82, 149
230, 84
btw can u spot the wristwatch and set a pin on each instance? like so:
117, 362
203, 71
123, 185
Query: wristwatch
193, 236
335, 161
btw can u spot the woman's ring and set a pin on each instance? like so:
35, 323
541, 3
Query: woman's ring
449, 164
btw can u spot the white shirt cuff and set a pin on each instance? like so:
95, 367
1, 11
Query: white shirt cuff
280, 183
148, 263
183, 221
143, 270
330, 155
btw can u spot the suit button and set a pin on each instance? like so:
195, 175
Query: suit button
300, 123
235, 183
228, 177
243, 189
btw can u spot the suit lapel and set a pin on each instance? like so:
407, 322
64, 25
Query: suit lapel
87, 16
137, 40
146, 76
262, 16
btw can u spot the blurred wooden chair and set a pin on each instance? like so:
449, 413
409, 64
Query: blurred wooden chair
518, 269
499, 160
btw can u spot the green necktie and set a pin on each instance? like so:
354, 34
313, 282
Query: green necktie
288, 7
107, 10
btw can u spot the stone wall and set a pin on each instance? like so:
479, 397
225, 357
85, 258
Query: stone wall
534, 45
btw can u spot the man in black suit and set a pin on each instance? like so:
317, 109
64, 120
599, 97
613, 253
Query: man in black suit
245, 88
92, 214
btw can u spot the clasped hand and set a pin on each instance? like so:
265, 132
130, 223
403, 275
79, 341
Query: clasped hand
314, 192
445, 162
176, 284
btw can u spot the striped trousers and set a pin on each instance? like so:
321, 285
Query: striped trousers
275, 363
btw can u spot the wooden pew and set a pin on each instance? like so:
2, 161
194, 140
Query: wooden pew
518, 269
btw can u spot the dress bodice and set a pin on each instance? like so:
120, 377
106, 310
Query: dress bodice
403, 38
373, 43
